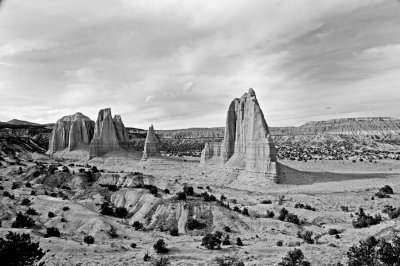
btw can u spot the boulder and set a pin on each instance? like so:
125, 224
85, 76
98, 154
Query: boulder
71, 132
247, 140
109, 134
151, 145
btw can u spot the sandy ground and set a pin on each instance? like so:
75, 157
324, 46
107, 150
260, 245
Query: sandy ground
325, 185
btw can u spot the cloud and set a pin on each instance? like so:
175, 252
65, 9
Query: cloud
149, 99
20, 46
179, 63
187, 87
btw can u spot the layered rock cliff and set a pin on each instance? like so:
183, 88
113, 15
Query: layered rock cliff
71, 132
109, 134
247, 140
151, 146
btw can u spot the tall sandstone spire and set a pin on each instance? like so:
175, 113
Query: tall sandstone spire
247, 140
71, 132
109, 134
151, 147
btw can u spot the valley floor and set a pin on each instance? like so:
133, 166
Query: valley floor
327, 186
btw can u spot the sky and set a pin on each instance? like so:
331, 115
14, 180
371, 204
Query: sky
179, 63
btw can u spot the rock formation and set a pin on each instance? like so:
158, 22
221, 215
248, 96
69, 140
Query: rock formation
151, 147
109, 134
247, 141
71, 132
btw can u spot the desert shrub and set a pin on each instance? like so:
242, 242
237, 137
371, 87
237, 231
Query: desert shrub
94, 169
160, 261
294, 258
166, 191
25, 202
33, 193
333, 231
365, 220
181, 195
106, 209
386, 189
51, 215
121, 212
36, 173
63, 220
306, 236
81, 170
282, 214
292, 218
52, 231
211, 241
299, 205
174, 231
344, 208
153, 190
266, 202
6, 194
65, 169
375, 252
222, 197
391, 211
188, 191
1, 188
381, 195
18, 250
11, 196
22, 221
193, 224
279, 243
270, 214
245, 212
112, 232
66, 208
146, 257
15, 185
226, 240
53, 194
31, 211
28, 184
228, 261
137, 225
160, 246
112, 188
227, 229
236, 209
88, 239
239, 242
133, 245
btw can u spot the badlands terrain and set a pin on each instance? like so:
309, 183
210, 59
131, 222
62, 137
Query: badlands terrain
268, 191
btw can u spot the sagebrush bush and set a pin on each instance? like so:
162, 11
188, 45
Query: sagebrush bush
160, 246
31, 211
174, 231
365, 220
306, 236
193, 224
137, 225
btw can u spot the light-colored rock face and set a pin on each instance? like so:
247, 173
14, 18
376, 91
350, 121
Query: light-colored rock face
247, 142
151, 145
211, 149
108, 135
71, 132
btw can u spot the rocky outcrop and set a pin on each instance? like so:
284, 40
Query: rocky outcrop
151, 146
211, 149
71, 132
247, 140
109, 134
